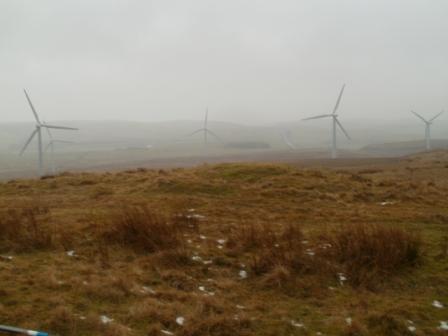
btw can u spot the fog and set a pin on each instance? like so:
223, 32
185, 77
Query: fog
251, 62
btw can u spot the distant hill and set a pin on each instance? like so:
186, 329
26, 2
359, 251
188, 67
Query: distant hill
403, 148
113, 135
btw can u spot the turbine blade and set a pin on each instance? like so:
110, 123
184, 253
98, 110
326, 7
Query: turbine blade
60, 127
197, 131
48, 146
318, 117
48, 130
217, 137
32, 107
420, 117
206, 118
342, 128
339, 99
28, 141
438, 115
287, 140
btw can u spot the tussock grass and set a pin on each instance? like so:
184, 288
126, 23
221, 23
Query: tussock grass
141, 229
277, 253
367, 253
23, 230
267, 236
370, 252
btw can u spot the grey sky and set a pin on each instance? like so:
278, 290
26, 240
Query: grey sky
251, 61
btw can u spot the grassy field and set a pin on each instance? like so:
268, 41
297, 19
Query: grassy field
229, 249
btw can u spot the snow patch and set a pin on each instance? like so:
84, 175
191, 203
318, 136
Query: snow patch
443, 325
202, 289
437, 304
105, 320
7, 257
297, 324
146, 289
71, 253
310, 252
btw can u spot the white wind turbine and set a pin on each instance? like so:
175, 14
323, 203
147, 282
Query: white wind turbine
38, 131
336, 123
205, 129
428, 124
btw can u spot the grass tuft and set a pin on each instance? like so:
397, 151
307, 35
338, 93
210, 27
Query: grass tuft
22, 230
142, 230
372, 251
275, 253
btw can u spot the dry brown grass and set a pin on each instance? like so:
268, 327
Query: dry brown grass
65, 322
277, 254
366, 253
142, 230
370, 252
145, 268
23, 230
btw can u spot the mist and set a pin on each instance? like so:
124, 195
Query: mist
250, 62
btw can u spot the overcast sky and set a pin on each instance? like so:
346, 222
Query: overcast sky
250, 61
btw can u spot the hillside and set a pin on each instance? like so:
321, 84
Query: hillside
403, 148
229, 249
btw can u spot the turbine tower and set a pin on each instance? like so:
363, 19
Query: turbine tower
205, 129
38, 131
428, 124
51, 147
335, 123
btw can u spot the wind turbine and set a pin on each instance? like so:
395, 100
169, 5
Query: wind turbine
38, 131
336, 123
428, 124
51, 147
286, 137
205, 129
